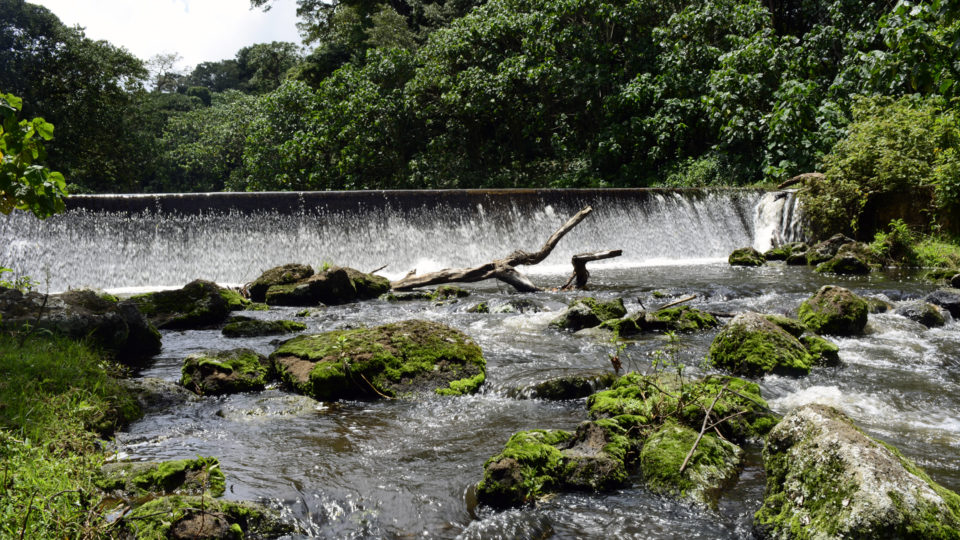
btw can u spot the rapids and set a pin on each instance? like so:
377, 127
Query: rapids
401, 469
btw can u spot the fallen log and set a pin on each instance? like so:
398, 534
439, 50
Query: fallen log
502, 269
580, 273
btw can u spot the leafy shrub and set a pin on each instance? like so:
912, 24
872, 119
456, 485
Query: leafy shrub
895, 245
891, 146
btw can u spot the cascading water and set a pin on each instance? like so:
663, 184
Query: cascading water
117, 242
406, 468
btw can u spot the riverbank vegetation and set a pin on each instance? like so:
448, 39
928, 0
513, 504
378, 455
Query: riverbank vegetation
503, 93
57, 399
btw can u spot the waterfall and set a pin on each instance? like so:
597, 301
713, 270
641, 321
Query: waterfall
778, 220
121, 242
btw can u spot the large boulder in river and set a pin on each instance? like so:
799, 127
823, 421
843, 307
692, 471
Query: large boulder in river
224, 372
746, 256
828, 249
390, 360
834, 310
675, 319
199, 304
333, 286
851, 259
827, 479
588, 312
239, 327
784, 252
752, 345
118, 327
279, 275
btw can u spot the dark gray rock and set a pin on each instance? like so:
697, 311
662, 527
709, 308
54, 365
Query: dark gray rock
922, 312
948, 299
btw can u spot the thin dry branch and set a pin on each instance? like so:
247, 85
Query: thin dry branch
677, 302
703, 428
580, 260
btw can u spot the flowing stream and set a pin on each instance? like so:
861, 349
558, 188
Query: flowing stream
402, 469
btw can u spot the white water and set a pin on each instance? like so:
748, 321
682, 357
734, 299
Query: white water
120, 251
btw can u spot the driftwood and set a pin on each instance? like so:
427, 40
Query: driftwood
800, 178
677, 302
580, 261
502, 269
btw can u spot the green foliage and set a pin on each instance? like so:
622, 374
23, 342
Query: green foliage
895, 245
891, 146
25, 184
18, 282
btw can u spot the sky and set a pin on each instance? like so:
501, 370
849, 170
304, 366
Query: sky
198, 30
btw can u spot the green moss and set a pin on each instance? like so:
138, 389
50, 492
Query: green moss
154, 519
235, 301
256, 327
280, 275
682, 319
198, 304
368, 285
823, 352
792, 326
398, 357
844, 265
752, 346
219, 372
611, 309
463, 387
714, 464
529, 466
193, 475
834, 310
482, 307
625, 327
588, 312
445, 292
257, 306
746, 257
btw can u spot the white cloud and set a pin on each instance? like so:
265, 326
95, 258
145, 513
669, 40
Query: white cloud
199, 30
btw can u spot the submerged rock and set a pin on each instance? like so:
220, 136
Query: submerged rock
922, 312
713, 466
280, 275
155, 394
390, 360
948, 299
751, 345
199, 304
258, 327
834, 310
588, 312
224, 372
129, 480
440, 294
746, 256
827, 479
118, 327
568, 387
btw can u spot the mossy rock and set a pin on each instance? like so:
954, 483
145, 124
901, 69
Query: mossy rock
598, 457
922, 312
131, 480
786, 251
834, 310
944, 275
750, 345
827, 479
675, 319
235, 301
877, 305
178, 516
447, 292
948, 299
407, 296
714, 465
257, 327
199, 304
331, 287
792, 326
746, 256
279, 275
482, 307
653, 400
224, 372
389, 360
588, 312
851, 259
824, 352
529, 466
828, 249
518, 305
568, 387
368, 286
257, 306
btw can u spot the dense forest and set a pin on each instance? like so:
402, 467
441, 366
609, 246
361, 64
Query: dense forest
502, 93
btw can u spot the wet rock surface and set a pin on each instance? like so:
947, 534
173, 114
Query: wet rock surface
834, 310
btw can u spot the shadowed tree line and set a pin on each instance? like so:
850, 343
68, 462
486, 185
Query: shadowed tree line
506, 93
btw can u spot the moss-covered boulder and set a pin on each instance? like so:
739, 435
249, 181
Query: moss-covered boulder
225, 372
713, 466
828, 249
199, 304
279, 275
851, 259
331, 287
567, 387
948, 299
529, 466
117, 327
246, 327
368, 286
440, 294
752, 346
588, 312
655, 399
389, 360
675, 319
130, 480
786, 251
827, 479
824, 352
190, 517
834, 310
877, 305
922, 312
746, 256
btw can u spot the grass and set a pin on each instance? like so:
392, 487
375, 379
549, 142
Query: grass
57, 397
